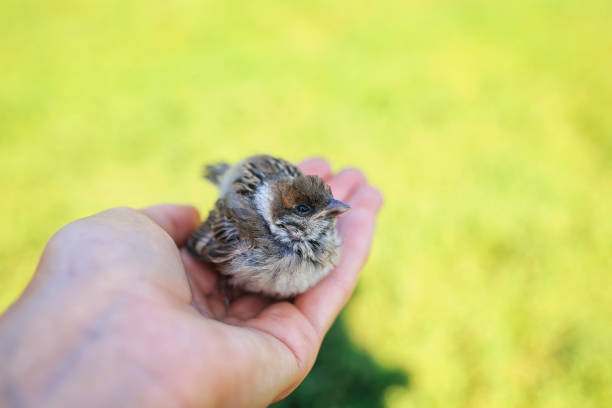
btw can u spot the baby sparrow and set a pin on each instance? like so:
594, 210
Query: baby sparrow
272, 230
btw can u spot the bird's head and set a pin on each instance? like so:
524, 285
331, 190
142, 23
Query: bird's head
302, 209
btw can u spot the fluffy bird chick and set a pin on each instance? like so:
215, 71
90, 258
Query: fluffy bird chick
272, 230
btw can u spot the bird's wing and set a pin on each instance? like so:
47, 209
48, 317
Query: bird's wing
256, 170
231, 228
233, 225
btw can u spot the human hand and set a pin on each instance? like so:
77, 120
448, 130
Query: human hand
117, 315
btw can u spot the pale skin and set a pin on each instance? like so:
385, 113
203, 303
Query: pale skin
118, 314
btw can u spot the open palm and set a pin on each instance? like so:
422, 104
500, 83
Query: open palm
128, 320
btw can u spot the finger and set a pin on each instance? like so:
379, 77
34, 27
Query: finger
198, 300
323, 302
345, 182
248, 306
316, 166
366, 197
206, 296
177, 220
284, 322
203, 276
217, 305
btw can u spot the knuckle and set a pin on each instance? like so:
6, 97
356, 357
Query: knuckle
353, 172
119, 212
368, 197
376, 197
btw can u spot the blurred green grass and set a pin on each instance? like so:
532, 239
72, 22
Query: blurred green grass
487, 126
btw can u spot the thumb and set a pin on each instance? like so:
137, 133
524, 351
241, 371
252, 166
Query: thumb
177, 220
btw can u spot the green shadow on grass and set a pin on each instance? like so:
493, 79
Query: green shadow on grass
344, 376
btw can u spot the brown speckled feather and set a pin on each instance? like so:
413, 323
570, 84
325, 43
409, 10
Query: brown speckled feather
259, 169
228, 230
233, 225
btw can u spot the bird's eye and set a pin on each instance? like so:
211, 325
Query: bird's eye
302, 209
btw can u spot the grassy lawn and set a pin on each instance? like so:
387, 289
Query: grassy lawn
487, 125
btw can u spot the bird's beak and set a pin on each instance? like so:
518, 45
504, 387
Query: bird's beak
334, 208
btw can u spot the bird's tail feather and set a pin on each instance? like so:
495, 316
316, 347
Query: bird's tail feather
214, 172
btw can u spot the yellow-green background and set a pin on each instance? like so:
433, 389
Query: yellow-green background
487, 125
